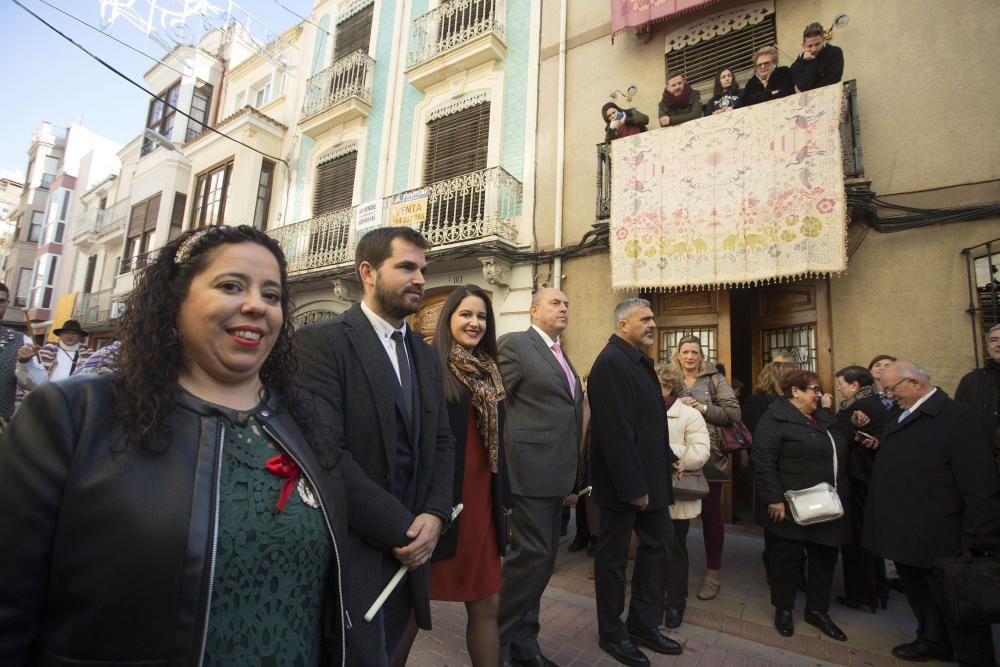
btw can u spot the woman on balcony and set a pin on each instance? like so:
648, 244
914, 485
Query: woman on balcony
622, 122
769, 81
726, 94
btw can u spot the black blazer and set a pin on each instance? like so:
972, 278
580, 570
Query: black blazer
458, 417
934, 488
343, 363
789, 452
630, 454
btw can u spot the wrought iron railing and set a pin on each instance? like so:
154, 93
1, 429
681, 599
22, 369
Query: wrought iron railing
469, 207
453, 23
351, 76
136, 262
472, 206
93, 307
850, 135
317, 242
982, 266
102, 221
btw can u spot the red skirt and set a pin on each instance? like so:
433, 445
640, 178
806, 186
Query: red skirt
474, 572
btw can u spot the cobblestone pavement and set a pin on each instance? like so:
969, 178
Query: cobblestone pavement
734, 630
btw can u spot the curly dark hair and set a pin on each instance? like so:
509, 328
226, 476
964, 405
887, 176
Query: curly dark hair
151, 355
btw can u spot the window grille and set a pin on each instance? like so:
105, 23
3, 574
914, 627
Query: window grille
312, 317
708, 337
799, 342
735, 50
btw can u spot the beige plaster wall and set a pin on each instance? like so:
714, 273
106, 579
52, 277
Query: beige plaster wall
591, 306
906, 294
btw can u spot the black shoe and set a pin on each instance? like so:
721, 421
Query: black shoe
536, 661
624, 652
672, 618
920, 651
579, 543
653, 640
825, 624
783, 622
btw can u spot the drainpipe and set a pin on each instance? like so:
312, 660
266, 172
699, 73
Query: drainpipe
560, 144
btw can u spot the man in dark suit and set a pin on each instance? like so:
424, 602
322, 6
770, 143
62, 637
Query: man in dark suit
384, 407
544, 412
933, 492
630, 468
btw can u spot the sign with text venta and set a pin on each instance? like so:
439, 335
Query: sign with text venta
409, 208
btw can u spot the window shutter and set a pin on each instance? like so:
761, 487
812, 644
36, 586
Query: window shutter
457, 143
152, 211
354, 33
137, 219
734, 50
177, 215
335, 184
88, 279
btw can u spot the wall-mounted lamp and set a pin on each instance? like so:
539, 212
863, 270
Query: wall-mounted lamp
839, 22
628, 94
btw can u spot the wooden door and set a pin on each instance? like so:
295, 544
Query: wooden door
795, 317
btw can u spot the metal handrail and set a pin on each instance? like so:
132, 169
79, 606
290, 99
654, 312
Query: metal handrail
452, 24
351, 76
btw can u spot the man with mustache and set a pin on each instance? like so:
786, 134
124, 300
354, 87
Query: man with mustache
380, 401
630, 468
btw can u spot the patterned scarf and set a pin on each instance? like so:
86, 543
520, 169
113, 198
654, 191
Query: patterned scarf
481, 376
863, 392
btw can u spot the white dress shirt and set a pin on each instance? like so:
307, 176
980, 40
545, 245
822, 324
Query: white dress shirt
384, 331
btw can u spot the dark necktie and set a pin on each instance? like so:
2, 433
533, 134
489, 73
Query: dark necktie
405, 377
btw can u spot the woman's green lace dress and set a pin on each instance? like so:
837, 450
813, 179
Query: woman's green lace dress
270, 565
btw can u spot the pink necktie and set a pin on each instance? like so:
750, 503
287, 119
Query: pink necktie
565, 365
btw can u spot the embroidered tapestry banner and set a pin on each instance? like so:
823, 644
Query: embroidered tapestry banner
738, 198
634, 14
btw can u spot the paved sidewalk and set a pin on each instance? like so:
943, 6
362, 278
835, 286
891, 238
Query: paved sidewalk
734, 630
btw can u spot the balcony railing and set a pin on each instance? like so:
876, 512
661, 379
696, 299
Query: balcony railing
317, 242
470, 207
850, 138
453, 23
93, 307
351, 76
136, 262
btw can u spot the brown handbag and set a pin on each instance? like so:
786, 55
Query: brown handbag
691, 484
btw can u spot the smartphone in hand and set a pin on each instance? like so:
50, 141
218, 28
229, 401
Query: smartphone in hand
620, 116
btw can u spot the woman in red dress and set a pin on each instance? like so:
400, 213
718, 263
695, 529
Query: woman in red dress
465, 566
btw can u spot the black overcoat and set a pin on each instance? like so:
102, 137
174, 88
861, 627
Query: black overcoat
629, 456
934, 488
861, 458
343, 363
789, 453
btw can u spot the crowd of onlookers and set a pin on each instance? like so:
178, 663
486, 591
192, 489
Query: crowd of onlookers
819, 64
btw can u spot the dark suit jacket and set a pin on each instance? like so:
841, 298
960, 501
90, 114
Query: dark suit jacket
343, 362
542, 432
630, 454
458, 415
780, 84
934, 489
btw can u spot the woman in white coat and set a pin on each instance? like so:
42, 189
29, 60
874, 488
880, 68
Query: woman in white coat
690, 441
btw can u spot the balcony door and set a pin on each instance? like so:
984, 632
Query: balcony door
333, 193
457, 146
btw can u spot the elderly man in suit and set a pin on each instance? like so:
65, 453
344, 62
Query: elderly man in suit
630, 467
544, 411
934, 491
381, 401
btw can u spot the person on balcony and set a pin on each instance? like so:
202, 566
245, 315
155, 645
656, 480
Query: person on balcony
680, 102
726, 94
769, 81
622, 122
820, 63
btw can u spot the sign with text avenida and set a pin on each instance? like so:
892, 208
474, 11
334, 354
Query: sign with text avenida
366, 218
409, 208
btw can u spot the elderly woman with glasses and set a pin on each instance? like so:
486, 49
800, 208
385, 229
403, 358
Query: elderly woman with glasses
769, 81
794, 448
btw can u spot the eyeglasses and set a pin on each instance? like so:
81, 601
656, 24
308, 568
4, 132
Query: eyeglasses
765, 64
815, 389
891, 388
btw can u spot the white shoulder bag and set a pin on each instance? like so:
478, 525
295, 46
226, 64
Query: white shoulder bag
818, 503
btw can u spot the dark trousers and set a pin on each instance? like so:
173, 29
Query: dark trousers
784, 562
526, 572
864, 575
374, 644
972, 644
677, 567
712, 528
645, 610
582, 527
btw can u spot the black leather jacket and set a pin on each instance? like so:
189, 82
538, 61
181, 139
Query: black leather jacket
107, 554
